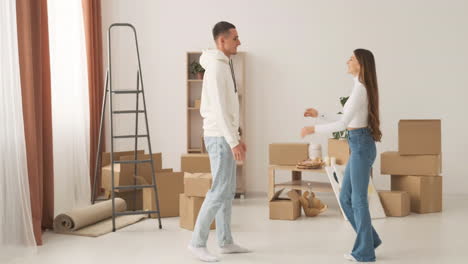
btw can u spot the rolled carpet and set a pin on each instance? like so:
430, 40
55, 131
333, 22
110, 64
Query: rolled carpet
82, 217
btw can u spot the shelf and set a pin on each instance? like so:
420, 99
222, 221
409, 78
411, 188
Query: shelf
194, 150
192, 108
293, 168
194, 81
306, 186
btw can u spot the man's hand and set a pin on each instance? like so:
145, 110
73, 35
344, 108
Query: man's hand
310, 112
244, 146
239, 151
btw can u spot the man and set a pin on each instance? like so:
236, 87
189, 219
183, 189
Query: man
220, 112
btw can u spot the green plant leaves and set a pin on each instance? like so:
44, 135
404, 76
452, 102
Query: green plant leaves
343, 100
195, 67
344, 133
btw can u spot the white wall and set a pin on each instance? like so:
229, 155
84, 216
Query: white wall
296, 59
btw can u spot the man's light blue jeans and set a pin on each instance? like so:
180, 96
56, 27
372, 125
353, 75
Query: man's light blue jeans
218, 201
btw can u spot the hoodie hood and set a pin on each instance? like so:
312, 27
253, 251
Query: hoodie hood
212, 55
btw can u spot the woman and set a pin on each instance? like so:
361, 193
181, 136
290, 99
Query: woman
361, 118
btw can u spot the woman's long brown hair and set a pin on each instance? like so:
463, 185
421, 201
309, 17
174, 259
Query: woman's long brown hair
368, 77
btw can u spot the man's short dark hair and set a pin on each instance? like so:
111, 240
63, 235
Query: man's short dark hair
220, 28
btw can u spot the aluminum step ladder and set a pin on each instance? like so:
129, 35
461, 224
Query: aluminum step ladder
135, 92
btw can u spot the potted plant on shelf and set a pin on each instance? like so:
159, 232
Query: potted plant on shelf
197, 70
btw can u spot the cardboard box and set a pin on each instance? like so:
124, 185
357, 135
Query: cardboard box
106, 160
392, 163
123, 173
197, 184
395, 203
189, 209
339, 148
133, 198
128, 195
170, 186
419, 137
288, 153
425, 192
194, 163
144, 169
284, 208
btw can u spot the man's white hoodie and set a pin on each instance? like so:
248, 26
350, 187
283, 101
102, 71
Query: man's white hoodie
219, 101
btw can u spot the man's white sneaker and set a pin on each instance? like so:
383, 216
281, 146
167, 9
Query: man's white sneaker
350, 258
233, 249
202, 254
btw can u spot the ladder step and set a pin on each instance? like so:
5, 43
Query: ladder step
126, 91
128, 111
130, 136
136, 212
131, 161
128, 187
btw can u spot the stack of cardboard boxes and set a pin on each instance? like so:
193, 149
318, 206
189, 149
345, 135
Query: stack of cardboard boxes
286, 154
416, 184
197, 182
196, 185
169, 183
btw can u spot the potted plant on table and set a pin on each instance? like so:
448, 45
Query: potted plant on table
341, 134
197, 70
338, 146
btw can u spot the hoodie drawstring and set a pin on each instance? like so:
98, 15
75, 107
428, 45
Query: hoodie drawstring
233, 75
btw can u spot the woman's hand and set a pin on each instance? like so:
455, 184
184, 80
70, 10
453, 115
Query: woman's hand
310, 112
307, 131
